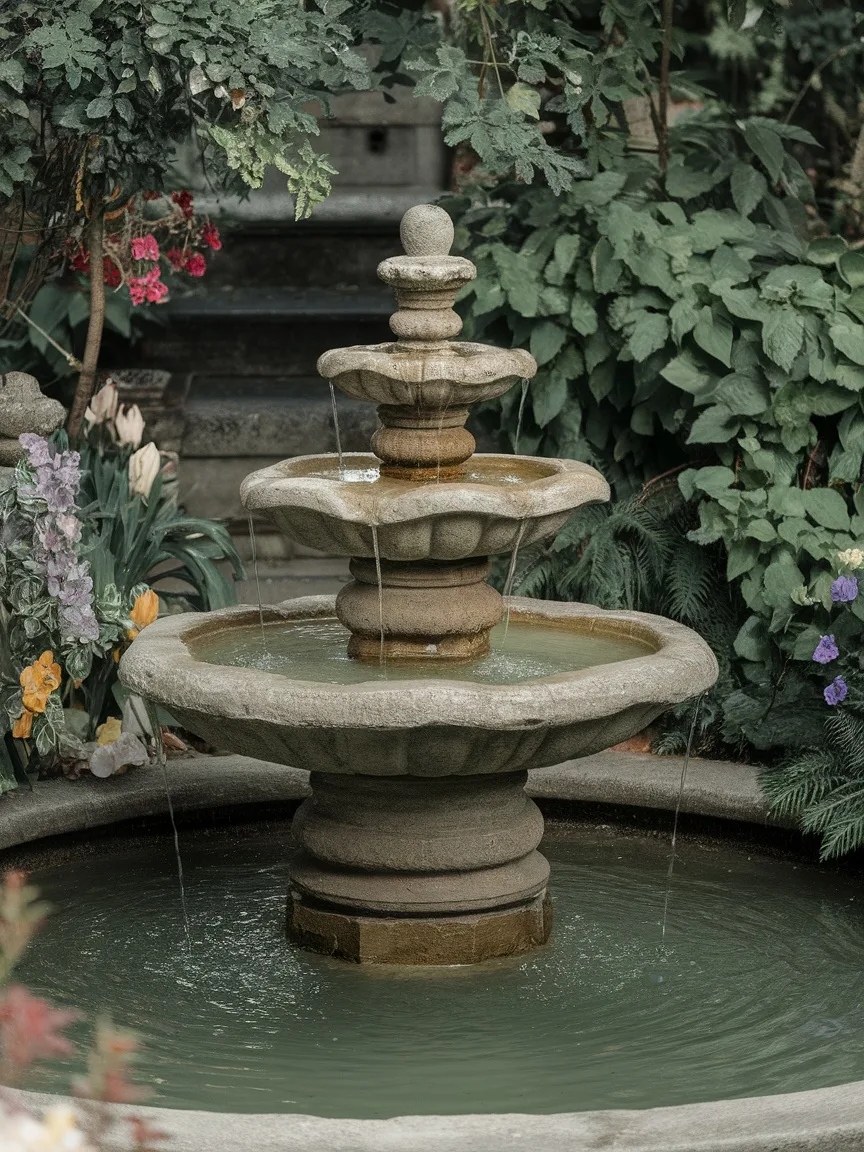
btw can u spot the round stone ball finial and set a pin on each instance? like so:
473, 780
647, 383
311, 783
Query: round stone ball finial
426, 230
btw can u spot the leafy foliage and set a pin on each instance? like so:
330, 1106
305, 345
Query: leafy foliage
824, 785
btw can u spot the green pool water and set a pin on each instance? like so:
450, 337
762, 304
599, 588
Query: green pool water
317, 650
757, 989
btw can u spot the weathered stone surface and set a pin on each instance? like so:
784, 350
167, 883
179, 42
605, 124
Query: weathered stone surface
305, 499
435, 727
467, 939
23, 408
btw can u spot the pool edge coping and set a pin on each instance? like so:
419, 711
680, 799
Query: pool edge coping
820, 1120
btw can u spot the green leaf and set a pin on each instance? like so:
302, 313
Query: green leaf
716, 425
566, 250
851, 267
828, 508
12, 73
748, 187
684, 183
548, 396
744, 395
827, 250
649, 334
713, 334
606, 269
848, 338
782, 336
583, 316
767, 145
762, 530
713, 481
683, 316
523, 98
684, 373
782, 577
752, 641
99, 108
547, 339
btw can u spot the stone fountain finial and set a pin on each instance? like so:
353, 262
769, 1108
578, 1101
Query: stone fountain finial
426, 230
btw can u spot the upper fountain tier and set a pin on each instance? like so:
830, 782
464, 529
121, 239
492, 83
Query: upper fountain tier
423, 383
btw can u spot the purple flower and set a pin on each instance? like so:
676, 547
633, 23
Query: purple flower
826, 650
79, 622
836, 691
37, 448
844, 589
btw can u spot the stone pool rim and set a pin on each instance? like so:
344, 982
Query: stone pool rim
821, 1120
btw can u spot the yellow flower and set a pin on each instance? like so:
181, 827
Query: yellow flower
39, 680
108, 732
23, 725
144, 612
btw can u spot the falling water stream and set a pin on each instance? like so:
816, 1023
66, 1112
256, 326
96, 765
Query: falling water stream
156, 728
254, 549
377, 551
696, 708
336, 428
511, 576
519, 417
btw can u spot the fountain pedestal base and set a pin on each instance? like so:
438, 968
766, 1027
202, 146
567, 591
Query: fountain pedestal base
419, 870
412, 940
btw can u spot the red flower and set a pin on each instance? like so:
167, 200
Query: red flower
145, 247
175, 258
210, 236
195, 264
149, 288
30, 1028
150, 194
110, 273
81, 260
184, 201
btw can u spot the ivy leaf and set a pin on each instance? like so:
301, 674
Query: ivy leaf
716, 425
782, 336
650, 333
713, 334
523, 98
828, 508
748, 187
848, 338
762, 138
547, 339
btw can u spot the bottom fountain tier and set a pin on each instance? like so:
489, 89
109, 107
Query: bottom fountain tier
417, 870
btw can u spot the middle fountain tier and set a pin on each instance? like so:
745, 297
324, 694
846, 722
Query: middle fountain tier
417, 707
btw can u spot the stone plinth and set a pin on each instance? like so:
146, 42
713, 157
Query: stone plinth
417, 870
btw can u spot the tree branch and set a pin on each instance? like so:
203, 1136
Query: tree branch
87, 378
663, 94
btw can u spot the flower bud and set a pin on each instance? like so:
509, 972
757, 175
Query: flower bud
144, 467
103, 406
129, 426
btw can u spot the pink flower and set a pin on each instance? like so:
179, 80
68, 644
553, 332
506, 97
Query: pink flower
156, 292
196, 265
175, 258
210, 236
183, 200
145, 247
30, 1028
137, 289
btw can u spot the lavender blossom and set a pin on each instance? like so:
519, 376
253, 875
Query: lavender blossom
836, 691
78, 622
844, 589
826, 650
37, 448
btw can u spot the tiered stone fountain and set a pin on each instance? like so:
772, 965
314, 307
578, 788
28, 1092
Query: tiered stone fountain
416, 709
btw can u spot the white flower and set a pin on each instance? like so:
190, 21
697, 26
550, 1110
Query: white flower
103, 406
111, 759
144, 466
852, 558
58, 1131
129, 425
